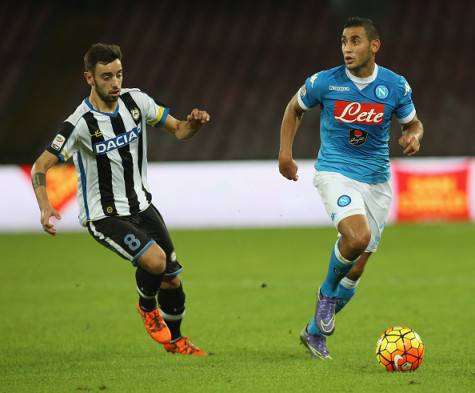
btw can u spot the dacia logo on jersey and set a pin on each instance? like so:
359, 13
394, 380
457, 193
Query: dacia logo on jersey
357, 137
119, 141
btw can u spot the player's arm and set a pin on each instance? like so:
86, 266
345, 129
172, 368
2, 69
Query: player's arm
412, 134
290, 124
185, 129
38, 179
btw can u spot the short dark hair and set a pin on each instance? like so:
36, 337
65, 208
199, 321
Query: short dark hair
371, 30
101, 53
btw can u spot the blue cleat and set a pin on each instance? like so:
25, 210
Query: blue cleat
316, 345
325, 314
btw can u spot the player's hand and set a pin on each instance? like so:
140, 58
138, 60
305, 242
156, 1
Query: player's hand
410, 144
288, 168
198, 118
46, 214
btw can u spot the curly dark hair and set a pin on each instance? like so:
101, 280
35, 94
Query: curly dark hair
101, 53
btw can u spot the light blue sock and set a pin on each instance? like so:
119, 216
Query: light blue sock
312, 327
345, 291
337, 269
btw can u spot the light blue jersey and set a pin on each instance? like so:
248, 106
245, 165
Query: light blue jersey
354, 123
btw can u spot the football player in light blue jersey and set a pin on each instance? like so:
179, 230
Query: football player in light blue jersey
357, 101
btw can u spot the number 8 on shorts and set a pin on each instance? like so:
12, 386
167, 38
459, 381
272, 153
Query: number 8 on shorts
132, 242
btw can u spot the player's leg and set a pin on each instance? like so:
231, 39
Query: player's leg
348, 284
149, 276
344, 203
354, 238
171, 296
341, 201
127, 240
346, 287
377, 203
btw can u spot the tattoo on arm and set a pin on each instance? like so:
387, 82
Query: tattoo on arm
38, 180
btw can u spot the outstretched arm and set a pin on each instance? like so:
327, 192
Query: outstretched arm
186, 129
38, 180
290, 124
412, 133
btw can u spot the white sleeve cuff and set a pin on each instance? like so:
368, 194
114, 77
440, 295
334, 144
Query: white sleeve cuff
301, 103
408, 118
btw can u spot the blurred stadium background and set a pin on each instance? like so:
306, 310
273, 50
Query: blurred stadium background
241, 61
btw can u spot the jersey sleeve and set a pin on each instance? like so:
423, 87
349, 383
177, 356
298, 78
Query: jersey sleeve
64, 144
310, 94
155, 114
405, 110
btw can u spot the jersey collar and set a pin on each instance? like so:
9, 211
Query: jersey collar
91, 107
363, 81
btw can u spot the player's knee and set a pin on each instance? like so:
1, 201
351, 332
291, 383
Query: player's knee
170, 282
358, 242
154, 260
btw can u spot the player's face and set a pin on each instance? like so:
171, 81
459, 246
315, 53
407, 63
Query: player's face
357, 49
107, 80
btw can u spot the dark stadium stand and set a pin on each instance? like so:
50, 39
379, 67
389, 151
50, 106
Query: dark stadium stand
242, 61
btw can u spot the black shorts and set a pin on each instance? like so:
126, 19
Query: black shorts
131, 236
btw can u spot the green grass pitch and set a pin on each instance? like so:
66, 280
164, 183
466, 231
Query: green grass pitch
69, 324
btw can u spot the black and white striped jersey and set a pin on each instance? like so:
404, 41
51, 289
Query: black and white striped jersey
110, 154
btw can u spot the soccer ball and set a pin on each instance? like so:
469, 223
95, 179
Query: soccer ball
399, 349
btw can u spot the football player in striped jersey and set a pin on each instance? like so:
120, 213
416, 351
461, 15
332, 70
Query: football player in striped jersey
106, 136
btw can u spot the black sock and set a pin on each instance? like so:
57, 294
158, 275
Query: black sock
147, 287
174, 327
172, 304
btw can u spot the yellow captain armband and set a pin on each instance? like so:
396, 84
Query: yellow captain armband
162, 114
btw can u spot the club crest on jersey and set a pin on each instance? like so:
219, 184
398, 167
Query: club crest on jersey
358, 112
118, 141
96, 134
357, 137
381, 92
135, 113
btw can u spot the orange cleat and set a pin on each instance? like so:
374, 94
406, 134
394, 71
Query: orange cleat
184, 346
155, 325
